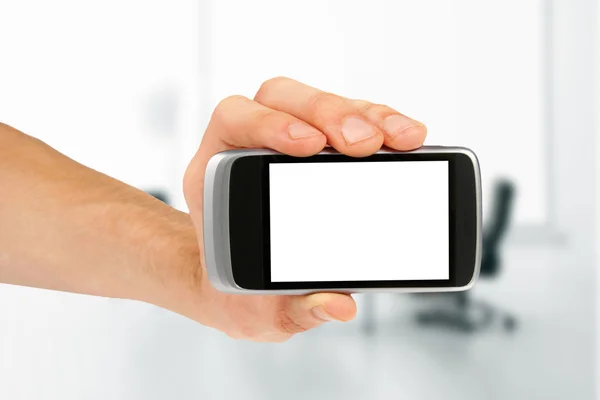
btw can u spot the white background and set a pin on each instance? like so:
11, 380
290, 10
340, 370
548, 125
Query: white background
113, 84
105, 80
87, 77
454, 64
359, 221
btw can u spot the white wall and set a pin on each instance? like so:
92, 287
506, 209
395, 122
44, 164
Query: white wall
576, 44
81, 75
454, 64
108, 79
113, 84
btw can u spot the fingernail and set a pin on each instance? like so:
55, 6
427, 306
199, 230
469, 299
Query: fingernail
355, 130
299, 130
320, 313
398, 124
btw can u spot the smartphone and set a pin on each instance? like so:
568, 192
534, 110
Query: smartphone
392, 221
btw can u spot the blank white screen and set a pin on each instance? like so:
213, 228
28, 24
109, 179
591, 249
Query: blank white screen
363, 221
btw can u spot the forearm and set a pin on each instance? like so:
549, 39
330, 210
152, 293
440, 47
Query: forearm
66, 227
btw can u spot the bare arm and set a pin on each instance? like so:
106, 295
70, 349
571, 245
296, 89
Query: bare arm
67, 227
64, 226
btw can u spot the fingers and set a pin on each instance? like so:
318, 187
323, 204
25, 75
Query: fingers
347, 130
301, 313
241, 122
400, 131
299, 120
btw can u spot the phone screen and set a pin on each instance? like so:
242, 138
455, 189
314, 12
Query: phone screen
359, 221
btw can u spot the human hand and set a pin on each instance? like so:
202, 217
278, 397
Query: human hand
298, 120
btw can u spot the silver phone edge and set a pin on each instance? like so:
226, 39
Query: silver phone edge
216, 224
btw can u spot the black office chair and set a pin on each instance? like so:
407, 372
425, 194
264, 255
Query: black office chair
159, 194
468, 315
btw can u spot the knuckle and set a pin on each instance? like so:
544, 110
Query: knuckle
269, 85
270, 119
222, 114
362, 105
286, 324
234, 98
376, 110
263, 116
322, 99
321, 105
221, 110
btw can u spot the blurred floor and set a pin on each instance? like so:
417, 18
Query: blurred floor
125, 350
549, 356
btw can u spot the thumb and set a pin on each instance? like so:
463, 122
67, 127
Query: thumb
310, 311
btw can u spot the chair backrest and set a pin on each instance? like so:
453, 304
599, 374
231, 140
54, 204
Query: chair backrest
159, 194
496, 225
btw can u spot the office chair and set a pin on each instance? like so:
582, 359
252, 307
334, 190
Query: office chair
159, 194
469, 315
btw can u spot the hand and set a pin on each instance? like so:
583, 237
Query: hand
295, 119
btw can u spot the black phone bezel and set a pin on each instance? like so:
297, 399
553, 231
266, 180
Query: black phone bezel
249, 221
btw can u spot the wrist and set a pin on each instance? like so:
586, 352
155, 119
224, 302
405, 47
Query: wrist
173, 267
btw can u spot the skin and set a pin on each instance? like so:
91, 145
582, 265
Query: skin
67, 227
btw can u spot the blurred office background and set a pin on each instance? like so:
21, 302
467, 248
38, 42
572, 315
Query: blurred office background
127, 87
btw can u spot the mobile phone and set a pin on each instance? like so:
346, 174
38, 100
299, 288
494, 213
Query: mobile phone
392, 221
